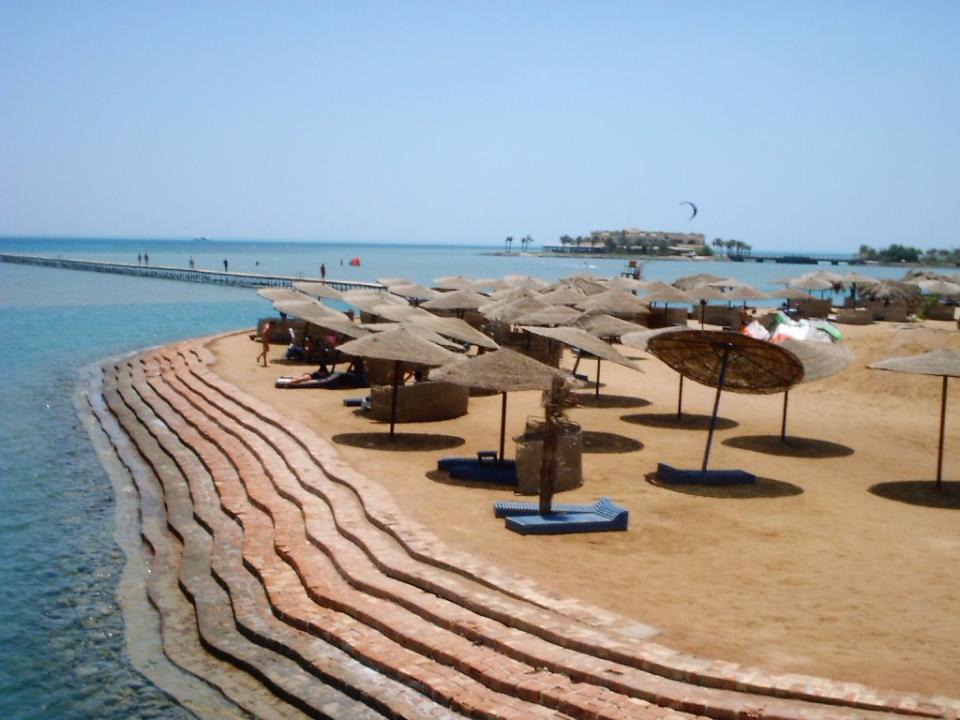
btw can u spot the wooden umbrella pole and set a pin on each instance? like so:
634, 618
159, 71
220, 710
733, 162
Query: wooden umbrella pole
597, 393
783, 422
680, 400
716, 407
943, 420
503, 424
396, 389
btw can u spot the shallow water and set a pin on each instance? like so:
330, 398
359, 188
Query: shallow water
60, 624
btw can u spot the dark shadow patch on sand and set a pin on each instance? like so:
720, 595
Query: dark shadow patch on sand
401, 442
482, 392
762, 488
595, 441
609, 401
923, 493
688, 421
443, 477
800, 447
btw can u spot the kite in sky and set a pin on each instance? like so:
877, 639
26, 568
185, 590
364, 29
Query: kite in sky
694, 207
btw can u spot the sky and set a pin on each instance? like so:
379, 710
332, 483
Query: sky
816, 126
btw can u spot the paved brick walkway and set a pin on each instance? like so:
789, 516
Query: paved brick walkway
297, 587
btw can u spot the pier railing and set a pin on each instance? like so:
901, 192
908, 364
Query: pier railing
169, 272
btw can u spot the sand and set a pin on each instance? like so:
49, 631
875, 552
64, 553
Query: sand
816, 575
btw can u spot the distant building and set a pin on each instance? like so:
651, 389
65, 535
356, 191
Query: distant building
631, 240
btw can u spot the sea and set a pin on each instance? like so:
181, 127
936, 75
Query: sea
61, 628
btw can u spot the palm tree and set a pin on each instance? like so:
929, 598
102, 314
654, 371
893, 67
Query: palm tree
508, 243
717, 243
525, 242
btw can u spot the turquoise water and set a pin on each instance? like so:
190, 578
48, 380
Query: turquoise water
60, 624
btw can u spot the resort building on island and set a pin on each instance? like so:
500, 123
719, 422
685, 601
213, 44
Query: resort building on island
632, 240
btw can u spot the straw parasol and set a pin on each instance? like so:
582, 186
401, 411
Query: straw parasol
421, 331
727, 360
689, 282
455, 329
615, 302
526, 281
400, 346
281, 293
626, 283
502, 371
321, 316
939, 287
789, 293
319, 290
511, 293
855, 278
511, 310
413, 291
820, 360
808, 282
604, 326
308, 304
563, 296
395, 313
582, 340
370, 297
669, 294
390, 281
728, 284
944, 363
641, 338
554, 315
587, 282
456, 300
454, 282
744, 292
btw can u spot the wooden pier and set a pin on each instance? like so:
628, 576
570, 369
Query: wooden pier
168, 272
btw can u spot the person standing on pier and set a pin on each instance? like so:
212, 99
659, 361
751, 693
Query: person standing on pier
225, 265
146, 259
139, 258
323, 271
191, 263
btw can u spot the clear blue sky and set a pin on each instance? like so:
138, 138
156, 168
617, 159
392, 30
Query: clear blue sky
800, 125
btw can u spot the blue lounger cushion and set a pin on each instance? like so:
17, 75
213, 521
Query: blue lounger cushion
608, 516
489, 472
445, 463
513, 508
674, 476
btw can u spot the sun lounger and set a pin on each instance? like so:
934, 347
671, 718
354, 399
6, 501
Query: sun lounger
674, 476
607, 516
514, 508
333, 381
504, 473
363, 402
484, 457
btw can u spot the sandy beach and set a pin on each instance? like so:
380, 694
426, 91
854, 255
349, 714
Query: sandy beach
815, 574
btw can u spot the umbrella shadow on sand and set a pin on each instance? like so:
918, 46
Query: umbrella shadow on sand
399, 441
924, 493
687, 421
793, 447
595, 441
762, 488
589, 400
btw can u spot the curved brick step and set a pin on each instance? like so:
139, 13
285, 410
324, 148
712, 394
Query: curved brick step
462, 692
283, 678
481, 663
223, 510
673, 694
180, 634
646, 656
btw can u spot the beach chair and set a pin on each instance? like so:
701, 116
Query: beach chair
514, 508
485, 468
670, 475
607, 516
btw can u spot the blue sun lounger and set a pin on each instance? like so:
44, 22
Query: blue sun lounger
484, 468
513, 508
670, 475
607, 516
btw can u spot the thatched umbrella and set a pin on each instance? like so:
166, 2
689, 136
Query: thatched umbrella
502, 371
939, 287
456, 300
319, 290
584, 341
455, 329
727, 360
704, 294
511, 310
390, 281
946, 364
728, 284
526, 281
604, 326
281, 293
511, 293
421, 331
303, 303
400, 346
395, 313
413, 291
820, 360
554, 315
587, 282
616, 302
563, 296
744, 292
626, 283
689, 282
321, 316
668, 294
454, 282
811, 283
641, 338
360, 297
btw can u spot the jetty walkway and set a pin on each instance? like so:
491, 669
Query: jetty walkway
168, 272
298, 588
